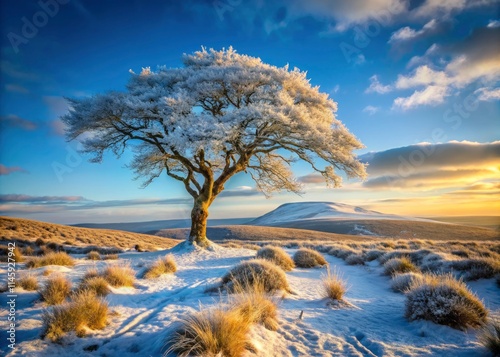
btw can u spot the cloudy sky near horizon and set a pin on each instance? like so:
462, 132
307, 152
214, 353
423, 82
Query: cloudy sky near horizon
417, 81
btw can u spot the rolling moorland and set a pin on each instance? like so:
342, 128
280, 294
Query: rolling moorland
147, 286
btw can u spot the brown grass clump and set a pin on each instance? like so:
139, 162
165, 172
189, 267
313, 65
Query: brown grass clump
117, 275
401, 282
93, 255
85, 311
399, 265
355, 259
162, 266
256, 272
308, 258
56, 290
333, 285
111, 257
276, 255
18, 255
52, 258
444, 300
213, 332
28, 250
28, 282
490, 337
96, 284
47, 272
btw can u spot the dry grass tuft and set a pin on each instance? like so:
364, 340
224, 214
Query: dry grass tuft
119, 275
276, 255
490, 337
255, 272
401, 282
18, 255
308, 258
96, 284
355, 259
85, 311
52, 258
28, 282
111, 257
214, 332
162, 266
56, 290
93, 255
399, 266
333, 285
444, 300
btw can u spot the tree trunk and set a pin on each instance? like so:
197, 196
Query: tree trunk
199, 215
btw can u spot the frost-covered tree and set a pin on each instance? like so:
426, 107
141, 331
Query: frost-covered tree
221, 114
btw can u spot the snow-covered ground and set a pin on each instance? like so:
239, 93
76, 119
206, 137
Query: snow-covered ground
290, 212
373, 326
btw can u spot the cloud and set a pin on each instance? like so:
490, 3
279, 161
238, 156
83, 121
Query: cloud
377, 87
418, 60
446, 8
14, 71
475, 60
311, 178
488, 94
16, 88
432, 95
370, 109
15, 121
4, 170
428, 166
408, 34
57, 105
493, 24
19, 203
57, 127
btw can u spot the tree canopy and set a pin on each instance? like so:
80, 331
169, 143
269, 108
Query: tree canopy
220, 114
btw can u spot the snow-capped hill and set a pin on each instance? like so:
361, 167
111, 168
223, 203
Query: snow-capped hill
299, 211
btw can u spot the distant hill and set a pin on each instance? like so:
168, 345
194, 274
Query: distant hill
293, 212
28, 230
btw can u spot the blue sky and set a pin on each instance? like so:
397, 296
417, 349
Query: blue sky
416, 81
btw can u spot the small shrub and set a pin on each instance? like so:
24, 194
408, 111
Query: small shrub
308, 258
91, 273
276, 255
490, 337
333, 285
354, 259
214, 332
28, 250
18, 255
402, 282
256, 272
162, 266
85, 310
39, 242
257, 307
398, 266
139, 248
96, 284
446, 301
52, 258
93, 255
56, 290
118, 276
373, 254
28, 282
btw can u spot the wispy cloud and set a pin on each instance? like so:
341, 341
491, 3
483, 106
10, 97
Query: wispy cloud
4, 170
377, 87
370, 109
16, 88
15, 121
408, 34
